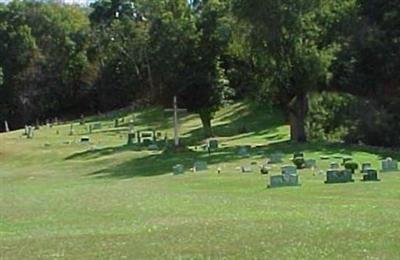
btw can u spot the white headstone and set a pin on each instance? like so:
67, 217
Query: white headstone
6, 128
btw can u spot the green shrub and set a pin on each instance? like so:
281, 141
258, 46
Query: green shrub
299, 162
352, 166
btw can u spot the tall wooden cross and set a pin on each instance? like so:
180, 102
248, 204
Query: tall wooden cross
176, 110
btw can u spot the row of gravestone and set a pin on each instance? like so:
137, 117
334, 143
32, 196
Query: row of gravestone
290, 177
198, 166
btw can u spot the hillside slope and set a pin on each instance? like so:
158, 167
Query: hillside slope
60, 198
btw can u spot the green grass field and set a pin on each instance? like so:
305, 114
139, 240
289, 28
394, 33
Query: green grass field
63, 199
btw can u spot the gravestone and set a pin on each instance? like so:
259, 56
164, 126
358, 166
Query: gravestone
389, 165
30, 132
213, 144
334, 165
82, 121
275, 158
131, 126
365, 167
370, 175
85, 139
311, 163
289, 177
6, 128
200, 166
131, 138
244, 150
178, 169
289, 170
338, 176
153, 147
97, 126
71, 129
116, 123
245, 169
25, 131
147, 137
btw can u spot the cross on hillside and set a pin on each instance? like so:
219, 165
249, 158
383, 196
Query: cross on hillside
176, 110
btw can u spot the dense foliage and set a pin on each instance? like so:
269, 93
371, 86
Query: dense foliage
64, 60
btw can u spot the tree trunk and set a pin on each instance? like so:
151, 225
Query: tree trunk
206, 121
298, 108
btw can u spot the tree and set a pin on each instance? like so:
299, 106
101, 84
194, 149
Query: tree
295, 45
207, 82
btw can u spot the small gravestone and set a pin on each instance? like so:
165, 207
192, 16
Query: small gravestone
153, 147
275, 158
311, 163
25, 131
244, 151
146, 137
71, 129
178, 169
389, 165
245, 169
370, 175
6, 127
131, 126
213, 144
365, 167
334, 165
30, 132
82, 121
131, 138
200, 166
85, 139
338, 176
97, 126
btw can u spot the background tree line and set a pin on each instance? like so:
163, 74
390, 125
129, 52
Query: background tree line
331, 65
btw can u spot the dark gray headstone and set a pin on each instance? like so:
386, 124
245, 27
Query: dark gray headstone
200, 166
178, 169
338, 176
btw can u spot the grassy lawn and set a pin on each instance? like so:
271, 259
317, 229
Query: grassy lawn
63, 199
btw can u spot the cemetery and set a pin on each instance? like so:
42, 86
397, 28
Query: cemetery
157, 183
199, 129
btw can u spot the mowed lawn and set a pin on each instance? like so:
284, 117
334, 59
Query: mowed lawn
63, 199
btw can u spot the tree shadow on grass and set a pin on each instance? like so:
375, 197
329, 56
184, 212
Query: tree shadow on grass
330, 149
92, 154
162, 163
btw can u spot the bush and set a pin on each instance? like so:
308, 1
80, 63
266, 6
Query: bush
299, 162
352, 166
